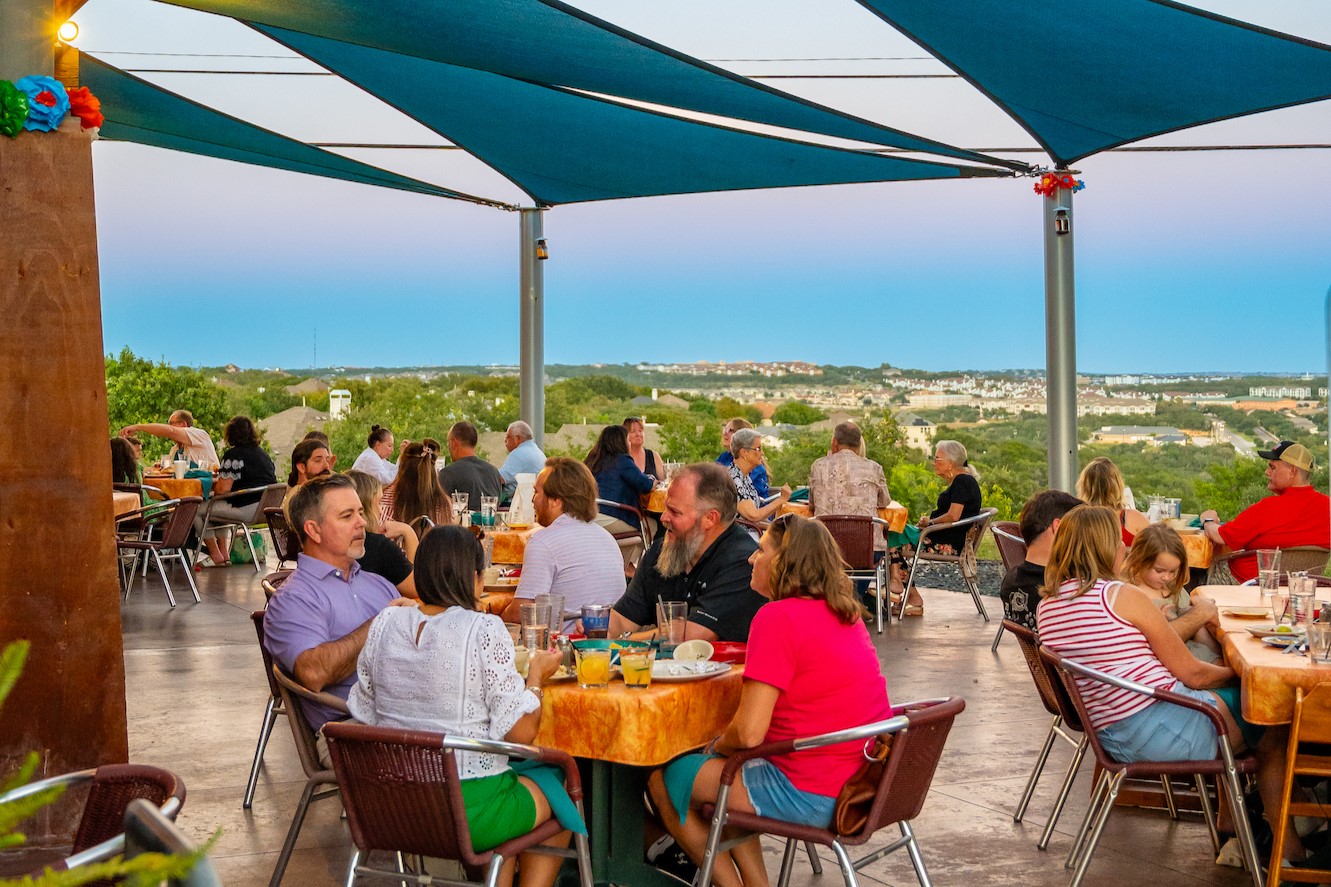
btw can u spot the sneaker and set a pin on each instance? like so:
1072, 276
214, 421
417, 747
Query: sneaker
670, 859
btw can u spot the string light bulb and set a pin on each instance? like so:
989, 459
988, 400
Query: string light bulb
68, 32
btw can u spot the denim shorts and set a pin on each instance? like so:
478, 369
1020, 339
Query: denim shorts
773, 796
1164, 732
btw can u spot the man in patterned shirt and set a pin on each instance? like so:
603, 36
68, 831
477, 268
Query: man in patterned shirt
844, 482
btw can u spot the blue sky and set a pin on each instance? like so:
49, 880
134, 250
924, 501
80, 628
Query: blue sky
1185, 261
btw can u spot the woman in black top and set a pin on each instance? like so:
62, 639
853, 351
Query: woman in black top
390, 546
960, 499
244, 466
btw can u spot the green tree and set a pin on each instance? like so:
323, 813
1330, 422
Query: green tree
728, 408
138, 390
1233, 487
794, 412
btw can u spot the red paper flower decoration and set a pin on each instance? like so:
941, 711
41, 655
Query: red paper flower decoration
86, 106
1050, 184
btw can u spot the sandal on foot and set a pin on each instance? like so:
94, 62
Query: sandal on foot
913, 610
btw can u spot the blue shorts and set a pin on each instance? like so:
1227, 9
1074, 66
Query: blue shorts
1164, 732
773, 796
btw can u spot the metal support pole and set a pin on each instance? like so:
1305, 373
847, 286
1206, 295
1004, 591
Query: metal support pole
1060, 339
531, 339
27, 38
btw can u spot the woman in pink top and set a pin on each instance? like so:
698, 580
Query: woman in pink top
811, 668
1092, 618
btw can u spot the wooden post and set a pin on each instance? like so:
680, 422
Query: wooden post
58, 585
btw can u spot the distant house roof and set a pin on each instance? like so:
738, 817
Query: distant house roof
282, 431
670, 400
309, 386
642, 400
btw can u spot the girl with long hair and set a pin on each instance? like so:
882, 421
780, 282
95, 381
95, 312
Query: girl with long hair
417, 492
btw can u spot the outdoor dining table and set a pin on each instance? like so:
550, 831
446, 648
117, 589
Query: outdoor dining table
510, 545
622, 735
1199, 547
124, 503
1269, 675
176, 488
894, 513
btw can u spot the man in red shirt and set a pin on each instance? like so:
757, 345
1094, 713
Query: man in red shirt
1296, 515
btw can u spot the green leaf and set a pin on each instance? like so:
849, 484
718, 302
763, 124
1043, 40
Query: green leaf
12, 658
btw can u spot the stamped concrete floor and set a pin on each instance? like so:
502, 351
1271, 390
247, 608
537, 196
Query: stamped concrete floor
196, 692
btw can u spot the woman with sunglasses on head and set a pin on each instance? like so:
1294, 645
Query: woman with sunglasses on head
746, 445
417, 492
811, 668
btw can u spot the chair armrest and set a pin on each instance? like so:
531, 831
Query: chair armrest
149, 512
337, 703
572, 780
892, 725
229, 494
1162, 695
41, 785
622, 506
1230, 555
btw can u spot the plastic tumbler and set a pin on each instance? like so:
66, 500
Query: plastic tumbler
671, 618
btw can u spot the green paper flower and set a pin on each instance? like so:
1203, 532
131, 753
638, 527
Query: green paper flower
13, 109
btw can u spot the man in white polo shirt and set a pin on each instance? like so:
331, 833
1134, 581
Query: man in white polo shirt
573, 555
191, 442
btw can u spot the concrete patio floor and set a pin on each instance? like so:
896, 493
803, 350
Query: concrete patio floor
196, 693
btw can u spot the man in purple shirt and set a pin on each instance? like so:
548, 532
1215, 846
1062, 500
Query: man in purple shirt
317, 623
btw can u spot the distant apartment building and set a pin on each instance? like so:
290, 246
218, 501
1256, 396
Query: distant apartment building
1157, 435
1281, 391
930, 400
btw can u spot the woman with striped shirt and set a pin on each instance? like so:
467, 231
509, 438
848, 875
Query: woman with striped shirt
1090, 617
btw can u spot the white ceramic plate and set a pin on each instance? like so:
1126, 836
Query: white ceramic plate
1283, 640
1268, 632
668, 671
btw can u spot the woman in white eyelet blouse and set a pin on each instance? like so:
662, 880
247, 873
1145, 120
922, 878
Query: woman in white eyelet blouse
448, 668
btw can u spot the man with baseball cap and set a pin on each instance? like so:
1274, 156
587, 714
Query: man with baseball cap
1296, 515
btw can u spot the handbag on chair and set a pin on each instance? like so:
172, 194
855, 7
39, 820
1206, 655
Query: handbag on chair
856, 796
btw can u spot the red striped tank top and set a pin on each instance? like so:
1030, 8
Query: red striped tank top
1084, 629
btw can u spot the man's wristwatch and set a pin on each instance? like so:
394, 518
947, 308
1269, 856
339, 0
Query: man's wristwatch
1210, 520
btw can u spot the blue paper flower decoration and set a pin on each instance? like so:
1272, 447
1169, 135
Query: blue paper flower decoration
48, 103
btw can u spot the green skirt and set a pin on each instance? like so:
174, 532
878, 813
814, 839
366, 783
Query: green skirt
499, 807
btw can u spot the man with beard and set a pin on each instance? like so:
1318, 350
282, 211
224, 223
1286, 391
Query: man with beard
573, 555
310, 459
318, 621
702, 558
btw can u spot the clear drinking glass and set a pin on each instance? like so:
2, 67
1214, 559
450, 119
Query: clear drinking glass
593, 668
535, 625
596, 620
556, 604
637, 667
1281, 611
1319, 643
489, 505
671, 618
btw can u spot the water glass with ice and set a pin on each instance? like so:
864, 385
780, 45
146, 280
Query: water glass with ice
556, 604
671, 620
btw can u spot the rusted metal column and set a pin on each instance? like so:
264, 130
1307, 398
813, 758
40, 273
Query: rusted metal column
58, 584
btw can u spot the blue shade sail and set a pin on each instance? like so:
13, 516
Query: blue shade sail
566, 147
138, 111
550, 43
1088, 75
